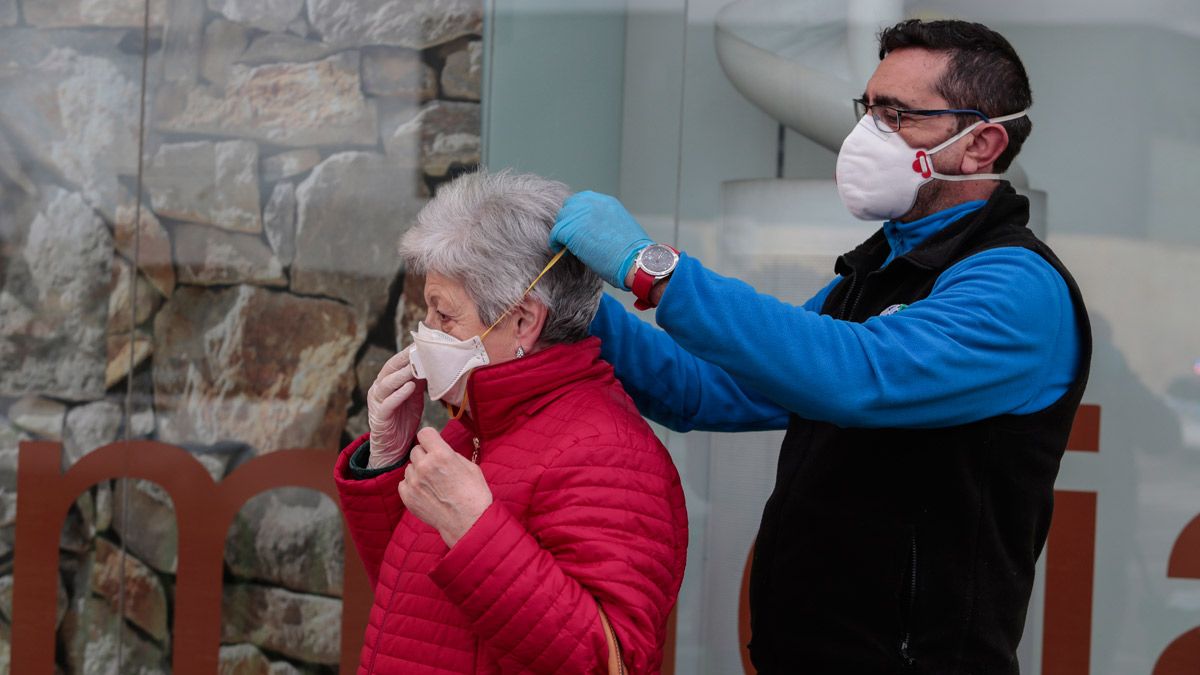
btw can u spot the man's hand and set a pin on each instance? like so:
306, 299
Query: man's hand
599, 231
394, 404
444, 489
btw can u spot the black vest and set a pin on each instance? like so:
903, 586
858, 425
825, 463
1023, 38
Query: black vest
910, 550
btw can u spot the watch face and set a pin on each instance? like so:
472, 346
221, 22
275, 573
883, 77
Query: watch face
658, 259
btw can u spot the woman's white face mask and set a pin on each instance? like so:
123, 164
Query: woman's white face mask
444, 361
879, 174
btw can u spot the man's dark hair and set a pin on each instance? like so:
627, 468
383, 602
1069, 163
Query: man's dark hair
984, 73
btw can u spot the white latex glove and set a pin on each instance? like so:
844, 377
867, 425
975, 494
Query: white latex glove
394, 405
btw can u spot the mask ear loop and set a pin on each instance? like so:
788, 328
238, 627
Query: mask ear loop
557, 256
466, 390
956, 137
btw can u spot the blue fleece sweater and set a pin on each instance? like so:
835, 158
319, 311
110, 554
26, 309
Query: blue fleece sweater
996, 335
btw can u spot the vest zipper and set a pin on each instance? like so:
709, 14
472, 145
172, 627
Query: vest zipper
854, 306
851, 294
855, 294
912, 601
475, 453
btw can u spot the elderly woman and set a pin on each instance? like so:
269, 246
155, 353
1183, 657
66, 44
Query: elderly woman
543, 530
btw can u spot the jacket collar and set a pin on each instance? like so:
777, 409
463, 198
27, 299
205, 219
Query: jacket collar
903, 237
1003, 206
500, 395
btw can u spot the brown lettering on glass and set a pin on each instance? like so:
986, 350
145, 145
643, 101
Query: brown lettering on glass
204, 511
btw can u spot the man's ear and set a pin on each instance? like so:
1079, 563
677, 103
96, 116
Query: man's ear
529, 318
988, 142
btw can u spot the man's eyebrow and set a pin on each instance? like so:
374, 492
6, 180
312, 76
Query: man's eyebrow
889, 101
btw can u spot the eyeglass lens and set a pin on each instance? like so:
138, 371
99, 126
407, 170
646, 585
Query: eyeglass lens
885, 118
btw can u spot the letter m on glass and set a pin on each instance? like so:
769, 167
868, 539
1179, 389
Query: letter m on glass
204, 511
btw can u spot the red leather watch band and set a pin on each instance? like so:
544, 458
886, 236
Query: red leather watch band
643, 283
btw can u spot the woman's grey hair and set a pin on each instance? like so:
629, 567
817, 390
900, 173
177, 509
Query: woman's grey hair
490, 231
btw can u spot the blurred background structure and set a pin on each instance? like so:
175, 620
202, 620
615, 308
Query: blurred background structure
200, 202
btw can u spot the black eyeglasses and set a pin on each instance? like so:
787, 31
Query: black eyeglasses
889, 119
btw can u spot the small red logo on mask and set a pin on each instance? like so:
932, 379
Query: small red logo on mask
922, 165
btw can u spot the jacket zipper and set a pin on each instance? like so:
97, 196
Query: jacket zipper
478, 645
912, 601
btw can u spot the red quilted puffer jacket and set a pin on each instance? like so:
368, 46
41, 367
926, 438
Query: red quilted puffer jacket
587, 506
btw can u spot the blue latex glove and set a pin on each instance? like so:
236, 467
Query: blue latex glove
599, 231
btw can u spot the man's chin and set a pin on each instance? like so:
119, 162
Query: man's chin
929, 198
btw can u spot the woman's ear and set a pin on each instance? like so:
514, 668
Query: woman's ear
529, 318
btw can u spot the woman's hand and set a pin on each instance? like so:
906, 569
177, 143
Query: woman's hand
444, 489
394, 405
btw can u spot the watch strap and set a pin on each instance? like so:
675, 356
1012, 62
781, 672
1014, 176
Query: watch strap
644, 283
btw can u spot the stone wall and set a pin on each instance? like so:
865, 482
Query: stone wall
288, 143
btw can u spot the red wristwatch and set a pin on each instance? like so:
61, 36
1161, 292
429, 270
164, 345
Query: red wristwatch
653, 264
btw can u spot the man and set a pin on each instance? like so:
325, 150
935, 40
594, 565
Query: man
928, 390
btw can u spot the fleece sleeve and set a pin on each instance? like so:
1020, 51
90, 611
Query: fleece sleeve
673, 387
997, 334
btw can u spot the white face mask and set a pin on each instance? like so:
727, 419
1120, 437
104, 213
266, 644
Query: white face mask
879, 174
443, 361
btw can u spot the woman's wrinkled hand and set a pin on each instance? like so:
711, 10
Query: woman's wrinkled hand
444, 489
395, 402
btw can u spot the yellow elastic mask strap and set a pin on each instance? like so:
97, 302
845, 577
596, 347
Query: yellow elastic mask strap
557, 256
461, 409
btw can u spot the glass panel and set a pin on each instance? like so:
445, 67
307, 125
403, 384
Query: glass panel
288, 147
69, 89
741, 177
241, 308
282, 600
244, 305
